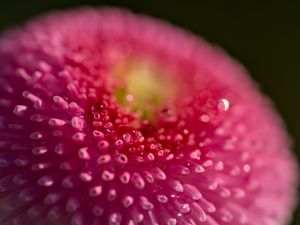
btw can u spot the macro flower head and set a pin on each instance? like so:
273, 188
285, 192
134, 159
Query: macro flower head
107, 117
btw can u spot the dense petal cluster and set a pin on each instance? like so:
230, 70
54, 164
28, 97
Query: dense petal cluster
201, 145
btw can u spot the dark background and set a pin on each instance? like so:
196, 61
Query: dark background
263, 35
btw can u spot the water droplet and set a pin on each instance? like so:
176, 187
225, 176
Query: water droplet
223, 105
205, 118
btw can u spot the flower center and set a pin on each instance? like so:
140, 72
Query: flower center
144, 87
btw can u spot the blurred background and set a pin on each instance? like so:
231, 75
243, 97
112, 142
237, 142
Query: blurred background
262, 35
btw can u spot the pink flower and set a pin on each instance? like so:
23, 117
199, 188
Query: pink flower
112, 118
